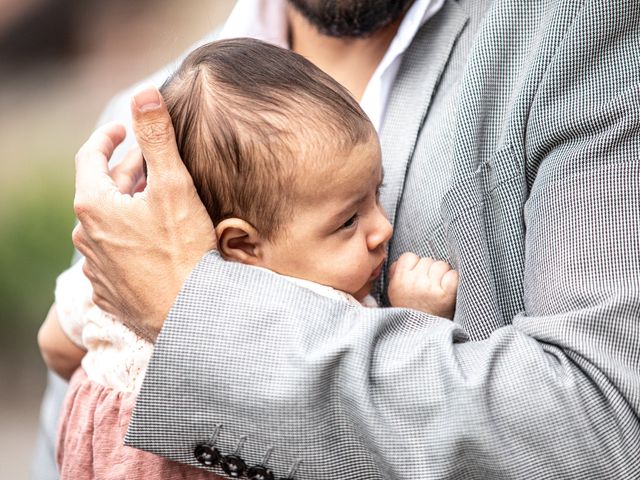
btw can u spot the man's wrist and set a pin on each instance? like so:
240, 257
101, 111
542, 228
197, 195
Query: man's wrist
151, 325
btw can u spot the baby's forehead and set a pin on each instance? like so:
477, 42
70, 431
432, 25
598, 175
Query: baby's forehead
340, 172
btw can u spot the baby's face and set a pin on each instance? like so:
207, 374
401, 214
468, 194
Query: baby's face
338, 233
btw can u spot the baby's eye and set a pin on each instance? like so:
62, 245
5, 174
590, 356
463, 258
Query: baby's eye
351, 222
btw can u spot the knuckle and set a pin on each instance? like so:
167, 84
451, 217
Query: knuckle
77, 235
98, 300
406, 257
79, 205
155, 133
80, 153
123, 180
84, 251
87, 270
82, 207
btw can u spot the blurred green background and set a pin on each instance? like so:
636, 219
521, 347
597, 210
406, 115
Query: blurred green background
60, 62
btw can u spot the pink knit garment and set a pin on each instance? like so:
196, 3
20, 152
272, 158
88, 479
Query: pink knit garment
90, 439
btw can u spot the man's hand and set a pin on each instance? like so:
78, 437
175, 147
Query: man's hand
423, 284
140, 246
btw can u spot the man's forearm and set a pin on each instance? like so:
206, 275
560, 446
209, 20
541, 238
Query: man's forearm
357, 393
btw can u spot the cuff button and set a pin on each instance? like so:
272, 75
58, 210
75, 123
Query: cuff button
260, 472
207, 455
233, 465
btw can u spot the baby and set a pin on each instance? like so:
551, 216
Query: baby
289, 169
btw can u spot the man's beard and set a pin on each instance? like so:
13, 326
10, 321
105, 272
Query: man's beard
350, 18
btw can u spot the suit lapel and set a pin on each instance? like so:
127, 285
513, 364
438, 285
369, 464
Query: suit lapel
418, 76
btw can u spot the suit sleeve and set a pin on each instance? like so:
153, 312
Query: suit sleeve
356, 393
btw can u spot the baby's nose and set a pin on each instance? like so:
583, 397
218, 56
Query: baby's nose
381, 233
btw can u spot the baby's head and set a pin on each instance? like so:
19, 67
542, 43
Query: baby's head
285, 161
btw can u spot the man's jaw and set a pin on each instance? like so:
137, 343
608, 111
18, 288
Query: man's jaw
350, 18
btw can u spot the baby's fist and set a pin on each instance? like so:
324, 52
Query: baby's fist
423, 284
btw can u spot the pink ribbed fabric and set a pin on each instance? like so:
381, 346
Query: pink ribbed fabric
90, 439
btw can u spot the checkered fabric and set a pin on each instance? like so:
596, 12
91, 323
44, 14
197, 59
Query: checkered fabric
512, 150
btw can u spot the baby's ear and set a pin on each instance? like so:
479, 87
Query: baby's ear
238, 241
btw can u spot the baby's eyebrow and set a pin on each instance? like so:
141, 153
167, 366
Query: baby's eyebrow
351, 206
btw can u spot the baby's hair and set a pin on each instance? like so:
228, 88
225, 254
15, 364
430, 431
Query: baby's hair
246, 114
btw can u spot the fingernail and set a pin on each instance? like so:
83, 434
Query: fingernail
147, 99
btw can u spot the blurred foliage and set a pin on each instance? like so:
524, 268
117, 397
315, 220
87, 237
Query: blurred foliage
36, 219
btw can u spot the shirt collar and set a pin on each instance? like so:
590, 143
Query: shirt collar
419, 12
264, 20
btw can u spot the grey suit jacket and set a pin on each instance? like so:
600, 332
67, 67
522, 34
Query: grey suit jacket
511, 148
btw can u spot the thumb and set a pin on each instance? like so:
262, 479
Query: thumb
155, 135
450, 282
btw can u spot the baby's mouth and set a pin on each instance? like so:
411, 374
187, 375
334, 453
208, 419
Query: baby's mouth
376, 273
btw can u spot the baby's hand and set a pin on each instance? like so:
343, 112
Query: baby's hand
423, 284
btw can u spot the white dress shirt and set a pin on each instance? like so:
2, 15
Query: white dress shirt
267, 20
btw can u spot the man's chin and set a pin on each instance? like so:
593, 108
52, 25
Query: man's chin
349, 18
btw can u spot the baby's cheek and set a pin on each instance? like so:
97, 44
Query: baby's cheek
356, 275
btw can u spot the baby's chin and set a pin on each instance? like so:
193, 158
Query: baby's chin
363, 292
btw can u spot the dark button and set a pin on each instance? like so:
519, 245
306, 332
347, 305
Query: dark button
259, 472
233, 465
207, 455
